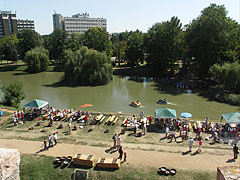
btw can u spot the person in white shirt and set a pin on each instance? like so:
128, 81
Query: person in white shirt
191, 141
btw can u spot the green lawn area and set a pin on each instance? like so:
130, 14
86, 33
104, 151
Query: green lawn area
38, 167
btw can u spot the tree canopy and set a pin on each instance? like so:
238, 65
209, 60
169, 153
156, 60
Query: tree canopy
13, 94
164, 46
56, 43
8, 47
87, 67
135, 48
212, 38
28, 40
37, 60
98, 39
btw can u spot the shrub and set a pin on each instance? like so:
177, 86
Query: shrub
13, 94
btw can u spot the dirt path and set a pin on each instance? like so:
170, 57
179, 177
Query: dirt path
202, 161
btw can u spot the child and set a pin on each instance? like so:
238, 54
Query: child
45, 143
125, 156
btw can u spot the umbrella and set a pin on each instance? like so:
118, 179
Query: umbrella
186, 115
86, 105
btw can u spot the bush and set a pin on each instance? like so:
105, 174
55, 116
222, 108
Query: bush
37, 60
13, 94
87, 67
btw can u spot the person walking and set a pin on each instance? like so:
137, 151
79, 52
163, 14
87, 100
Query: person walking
120, 151
173, 135
235, 151
114, 138
191, 141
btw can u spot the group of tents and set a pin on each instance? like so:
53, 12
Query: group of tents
171, 113
159, 113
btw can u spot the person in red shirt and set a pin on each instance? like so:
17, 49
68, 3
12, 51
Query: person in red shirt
86, 119
200, 145
150, 120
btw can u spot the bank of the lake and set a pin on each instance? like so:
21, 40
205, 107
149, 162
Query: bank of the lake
115, 96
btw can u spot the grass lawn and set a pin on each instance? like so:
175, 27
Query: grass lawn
37, 167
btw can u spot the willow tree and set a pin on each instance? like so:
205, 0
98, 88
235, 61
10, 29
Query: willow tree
37, 60
87, 67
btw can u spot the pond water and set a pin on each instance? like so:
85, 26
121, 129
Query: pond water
115, 96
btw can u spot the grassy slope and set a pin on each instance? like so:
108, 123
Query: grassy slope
35, 167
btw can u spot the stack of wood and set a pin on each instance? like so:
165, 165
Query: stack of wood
112, 163
84, 160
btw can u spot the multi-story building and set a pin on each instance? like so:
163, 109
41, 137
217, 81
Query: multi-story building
25, 24
78, 23
8, 23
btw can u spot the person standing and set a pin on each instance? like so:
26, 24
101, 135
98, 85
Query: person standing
120, 151
45, 143
69, 127
55, 138
125, 156
142, 115
173, 135
114, 138
206, 124
50, 141
119, 141
200, 145
235, 151
167, 131
191, 141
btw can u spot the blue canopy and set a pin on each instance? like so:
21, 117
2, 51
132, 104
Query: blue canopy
186, 115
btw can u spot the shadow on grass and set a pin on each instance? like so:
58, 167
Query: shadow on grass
96, 168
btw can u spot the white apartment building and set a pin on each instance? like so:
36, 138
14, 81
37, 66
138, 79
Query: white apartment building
78, 23
25, 24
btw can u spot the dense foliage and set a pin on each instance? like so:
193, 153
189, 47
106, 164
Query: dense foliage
37, 60
98, 39
212, 38
28, 40
135, 49
8, 48
13, 94
56, 44
164, 46
87, 67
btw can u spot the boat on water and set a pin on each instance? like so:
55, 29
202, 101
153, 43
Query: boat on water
162, 101
135, 103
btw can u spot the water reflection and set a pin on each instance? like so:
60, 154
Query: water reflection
116, 95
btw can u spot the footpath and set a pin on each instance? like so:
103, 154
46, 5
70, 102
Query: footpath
207, 160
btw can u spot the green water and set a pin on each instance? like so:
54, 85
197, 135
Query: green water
115, 96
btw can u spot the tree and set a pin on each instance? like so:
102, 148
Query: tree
98, 39
87, 67
119, 49
227, 75
75, 41
37, 60
13, 94
164, 46
212, 38
8, 46
56, 44
28, 40
135, 49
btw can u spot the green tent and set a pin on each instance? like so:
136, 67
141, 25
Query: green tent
165, 113
36, 103
232, 117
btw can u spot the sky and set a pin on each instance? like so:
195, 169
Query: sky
121, 15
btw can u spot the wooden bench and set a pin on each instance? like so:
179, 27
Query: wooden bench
111, 163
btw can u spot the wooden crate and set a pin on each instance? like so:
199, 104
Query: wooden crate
112, 163
84, 160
